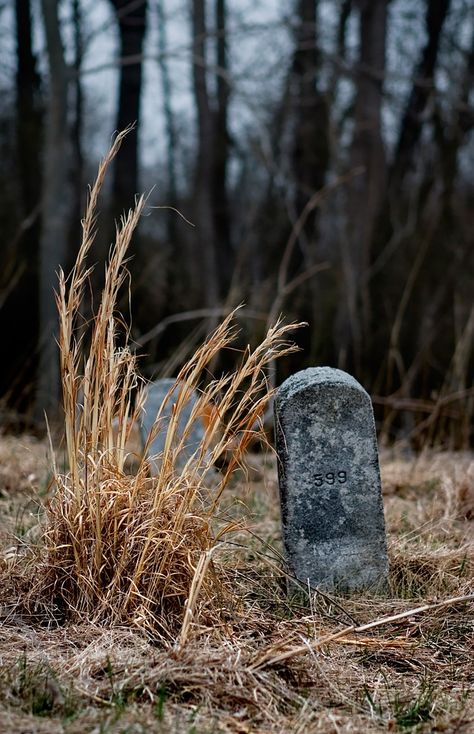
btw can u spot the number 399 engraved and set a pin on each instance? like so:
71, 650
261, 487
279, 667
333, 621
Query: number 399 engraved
331, 477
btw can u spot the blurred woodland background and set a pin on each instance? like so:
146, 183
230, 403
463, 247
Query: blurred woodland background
322, 149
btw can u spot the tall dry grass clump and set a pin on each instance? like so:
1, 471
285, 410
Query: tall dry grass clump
138, 549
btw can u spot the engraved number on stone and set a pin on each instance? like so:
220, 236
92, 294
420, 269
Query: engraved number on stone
330, 478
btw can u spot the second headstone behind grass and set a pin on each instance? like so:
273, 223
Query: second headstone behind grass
332, 512
155, 395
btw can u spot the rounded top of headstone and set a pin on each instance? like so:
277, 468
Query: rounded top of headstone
162, 384
316, 377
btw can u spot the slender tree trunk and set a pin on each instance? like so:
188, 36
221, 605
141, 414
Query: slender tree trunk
310, 154
368, 151
22, 335
204, 256
28, 109
175, 251
131, 17
225, 259
76, 131
413, 117
369, 164
56, 210
170, 126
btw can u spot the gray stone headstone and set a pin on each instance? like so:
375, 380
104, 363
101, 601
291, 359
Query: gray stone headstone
155, 395
331, 500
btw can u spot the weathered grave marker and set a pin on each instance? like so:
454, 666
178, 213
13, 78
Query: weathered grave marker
332, 512
155, 395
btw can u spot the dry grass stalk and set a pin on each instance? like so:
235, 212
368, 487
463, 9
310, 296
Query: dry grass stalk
135, 549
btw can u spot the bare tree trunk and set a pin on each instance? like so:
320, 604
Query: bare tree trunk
56, 211
413, 117
175, 252
28, 109
204, 267
224, 254
369, 164
21, 320
310, 154
131, 17
169, 117
76, 132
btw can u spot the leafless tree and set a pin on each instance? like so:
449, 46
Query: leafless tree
21, 319
220, 200
131, 19
203, 265
56, 210
367, 159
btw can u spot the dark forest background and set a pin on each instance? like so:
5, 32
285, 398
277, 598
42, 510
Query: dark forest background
349, 205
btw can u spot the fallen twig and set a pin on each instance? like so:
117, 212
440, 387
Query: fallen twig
266, 659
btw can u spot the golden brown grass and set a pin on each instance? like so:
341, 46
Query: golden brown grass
136, 549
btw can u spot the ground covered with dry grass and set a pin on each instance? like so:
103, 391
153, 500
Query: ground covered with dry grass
275, 658
134, 600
